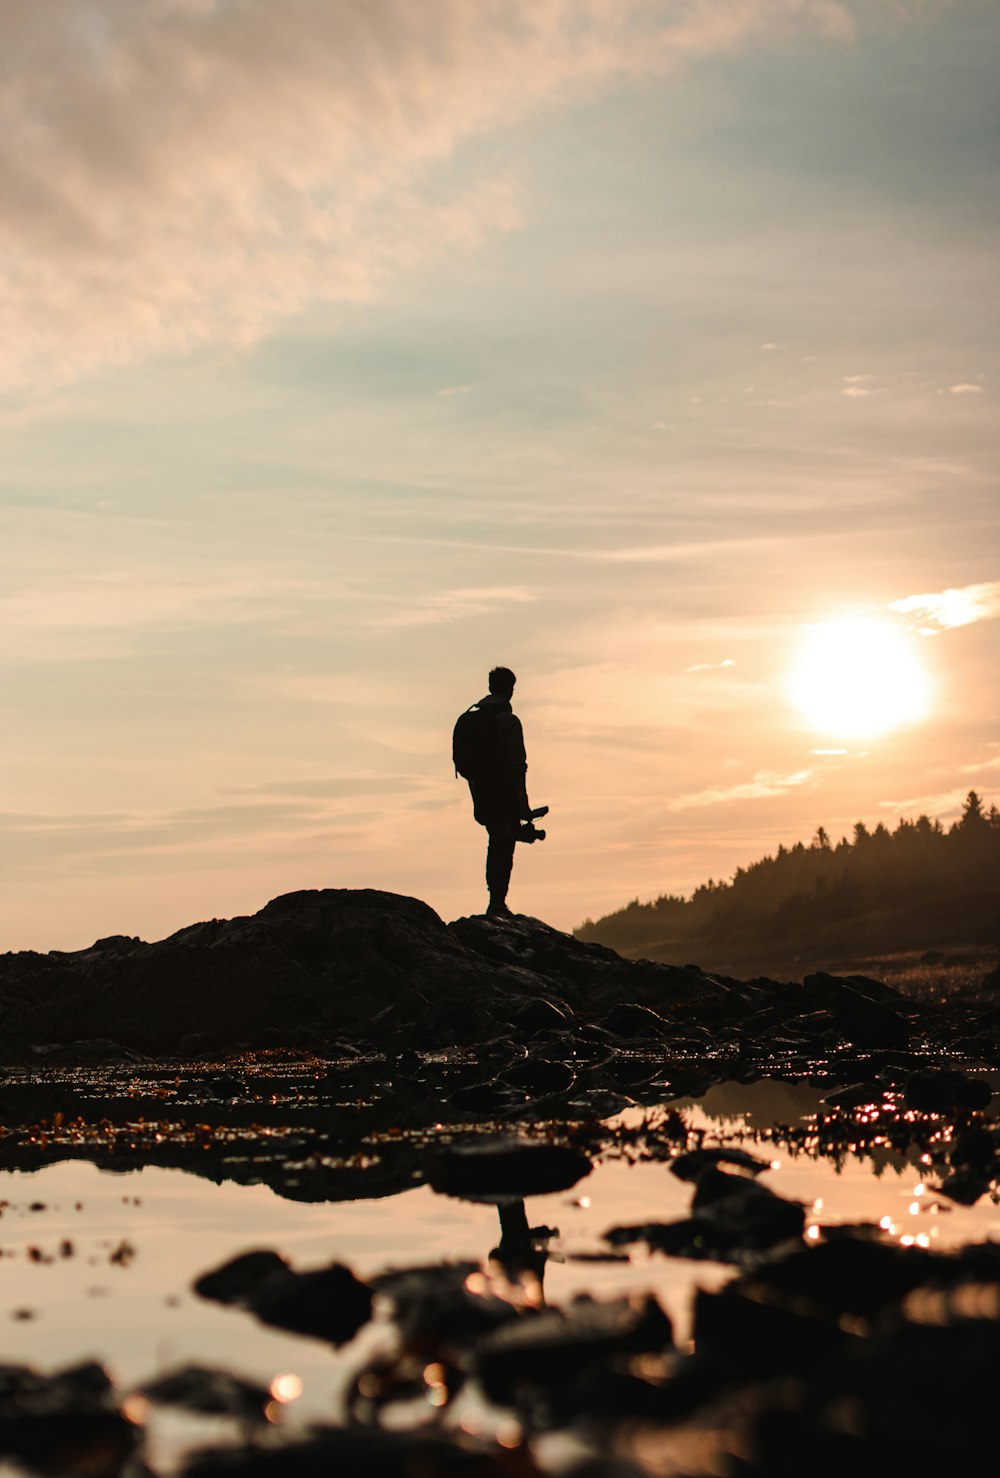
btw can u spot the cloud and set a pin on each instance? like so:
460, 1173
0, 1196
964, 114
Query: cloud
181, 173
459, 605
965, 389
855, 391
938, 805
764, 784
332, 787
950, 608
711, 666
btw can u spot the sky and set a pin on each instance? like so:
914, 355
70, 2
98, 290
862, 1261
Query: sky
647, 347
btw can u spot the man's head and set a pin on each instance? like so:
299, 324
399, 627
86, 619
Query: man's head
502, 682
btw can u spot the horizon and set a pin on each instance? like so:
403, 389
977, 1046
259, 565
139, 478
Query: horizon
648, 349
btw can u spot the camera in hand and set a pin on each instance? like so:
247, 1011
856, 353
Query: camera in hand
528, 831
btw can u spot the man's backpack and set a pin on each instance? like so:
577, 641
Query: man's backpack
476, 743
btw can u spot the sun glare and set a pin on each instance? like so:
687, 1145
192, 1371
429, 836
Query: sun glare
857, 678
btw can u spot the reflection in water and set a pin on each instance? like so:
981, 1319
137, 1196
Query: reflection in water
523, 1252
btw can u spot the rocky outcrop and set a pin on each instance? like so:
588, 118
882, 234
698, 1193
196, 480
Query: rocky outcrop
317, 965
347, 972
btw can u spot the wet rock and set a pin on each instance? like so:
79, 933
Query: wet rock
635, 1023
480, 1098
234, 1280
68, 1422
860, 1008
631, 1072
375, 1454
554, 1350
322, 961
754, 1338
945, 1090
865, 1409
491, 1169
846, 1276
541, 1078
440, 1309
328, 1303
209, 1390
539, 1015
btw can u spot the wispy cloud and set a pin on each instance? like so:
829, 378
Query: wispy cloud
947, 609
965, 389
711, 666
459, 605
765, 783
178, 172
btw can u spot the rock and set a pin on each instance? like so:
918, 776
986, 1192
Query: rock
233, 1281
845, 1276
328, 1303
635, 1023
435, 1308
480, 1099
552, 1351
755, 1339
210, 1391
541, 1078
491, 1169
318, 965
374, 1454
860, 1008
325, 960
68, 1422
539, 1015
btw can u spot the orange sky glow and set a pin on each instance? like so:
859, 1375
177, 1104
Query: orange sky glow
647, 349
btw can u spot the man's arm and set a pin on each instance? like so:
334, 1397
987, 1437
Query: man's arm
518, 762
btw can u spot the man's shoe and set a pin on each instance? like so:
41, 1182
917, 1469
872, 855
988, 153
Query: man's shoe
498, 911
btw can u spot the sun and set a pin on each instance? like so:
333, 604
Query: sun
856, 678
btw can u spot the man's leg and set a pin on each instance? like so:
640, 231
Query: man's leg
499, 861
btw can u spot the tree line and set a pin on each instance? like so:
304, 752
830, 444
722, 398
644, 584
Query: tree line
920, 885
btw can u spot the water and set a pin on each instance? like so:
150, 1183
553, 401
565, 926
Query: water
99, 1265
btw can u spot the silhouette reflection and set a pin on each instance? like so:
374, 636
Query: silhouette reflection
523, 1252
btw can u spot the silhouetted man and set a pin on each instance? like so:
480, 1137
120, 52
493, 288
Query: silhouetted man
499, 797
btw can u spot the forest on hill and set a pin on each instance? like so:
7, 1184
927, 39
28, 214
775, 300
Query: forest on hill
920, 889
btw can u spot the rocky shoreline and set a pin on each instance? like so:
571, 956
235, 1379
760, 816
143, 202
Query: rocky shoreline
347, 1045
372, 971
